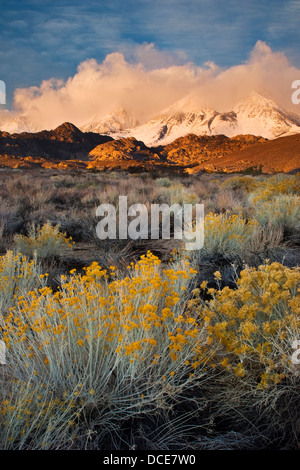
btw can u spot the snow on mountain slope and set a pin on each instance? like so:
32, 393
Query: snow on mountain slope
261, 116
254, 115
17, 125
115, 122
178, 120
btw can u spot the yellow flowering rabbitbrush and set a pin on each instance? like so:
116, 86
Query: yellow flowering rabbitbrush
116, 336
43, 242
254, 325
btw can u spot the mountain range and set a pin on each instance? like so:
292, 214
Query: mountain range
62, 143
256, 135
69, 147
255, 115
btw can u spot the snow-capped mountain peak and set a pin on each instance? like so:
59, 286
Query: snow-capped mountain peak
179, 119
17, 125
255, 114
117, 121
259, 115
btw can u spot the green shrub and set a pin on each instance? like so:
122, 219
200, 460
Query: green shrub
245, 183
226, 235
283, 211
165, 182
45, 242
18, 275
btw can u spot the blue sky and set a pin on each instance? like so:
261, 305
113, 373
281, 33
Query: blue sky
42, 39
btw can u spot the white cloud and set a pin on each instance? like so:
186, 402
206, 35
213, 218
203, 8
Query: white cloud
156, 81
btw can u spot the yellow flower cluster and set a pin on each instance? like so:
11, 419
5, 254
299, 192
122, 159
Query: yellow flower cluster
44, 242
254, 325
18, 275
277, 185
227, 234
137, 316
103, 338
